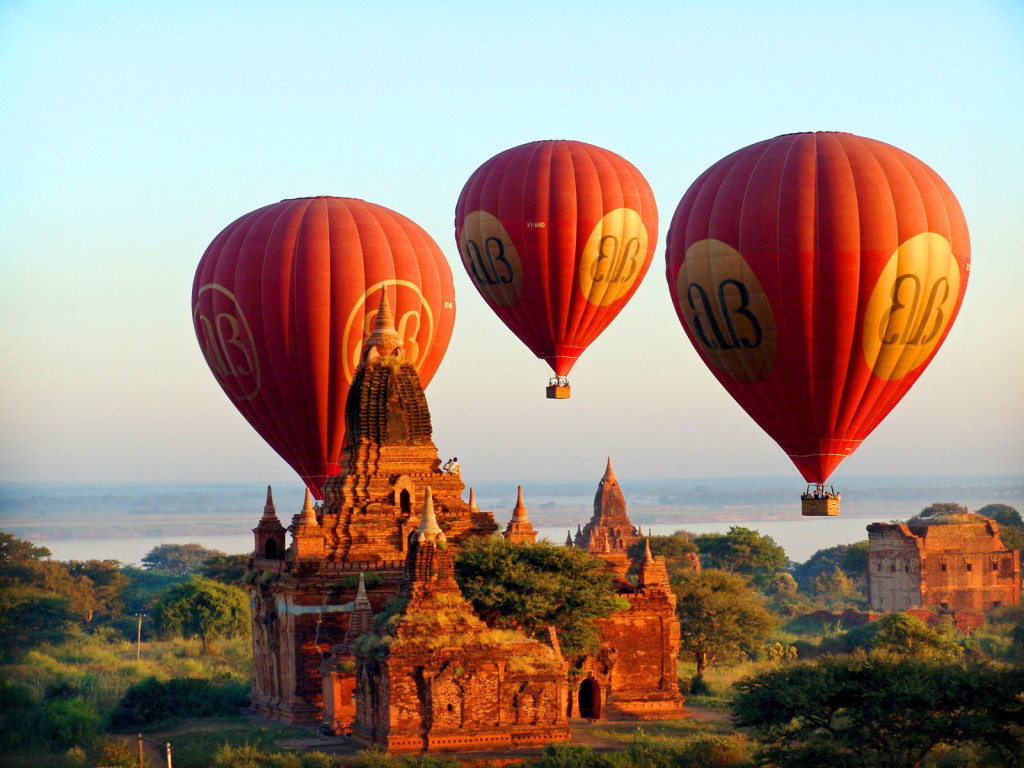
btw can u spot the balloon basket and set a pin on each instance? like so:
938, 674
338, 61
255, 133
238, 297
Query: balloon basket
558, 391
819, 507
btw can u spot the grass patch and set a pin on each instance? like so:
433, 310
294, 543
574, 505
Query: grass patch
194, 742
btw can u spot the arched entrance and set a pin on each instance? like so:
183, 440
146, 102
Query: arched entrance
590, 699
405, 502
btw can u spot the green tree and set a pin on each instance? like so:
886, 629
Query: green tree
851, 559
745, 552
202, 607
178, 558
942, 509
40, 601
532, 586
899, 634
833, 583
870, 711
108, 583
227, 569
1003, 514
720, 617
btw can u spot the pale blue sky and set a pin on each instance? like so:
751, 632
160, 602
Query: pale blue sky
131, 133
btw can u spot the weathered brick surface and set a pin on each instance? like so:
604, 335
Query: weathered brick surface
438, 680
634, 675
442, 680
952, 567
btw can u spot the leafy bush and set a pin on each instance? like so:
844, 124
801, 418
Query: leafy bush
708, 750
570, 756
249, 756
117, 754
70, 722
152, 701
18, 712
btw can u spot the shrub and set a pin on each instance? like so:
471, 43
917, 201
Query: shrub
18, 712
117, 754
570, 756
249, 756
708, 750
70, 722
699, 686
152, 701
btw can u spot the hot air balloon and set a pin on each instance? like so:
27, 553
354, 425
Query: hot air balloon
283, 299
556, 236
817, 274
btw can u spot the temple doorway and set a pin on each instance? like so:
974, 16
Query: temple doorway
590, 699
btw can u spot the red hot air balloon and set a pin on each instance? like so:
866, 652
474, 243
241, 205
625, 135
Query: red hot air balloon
556, 236
283, 299
817, 274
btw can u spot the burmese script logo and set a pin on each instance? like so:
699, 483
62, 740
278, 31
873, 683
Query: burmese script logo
911, 306
414, 326
613, 258
227, 342
726, 310
491, 259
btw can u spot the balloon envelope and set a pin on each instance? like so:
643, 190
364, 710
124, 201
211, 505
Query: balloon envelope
817, 274
556, 236
283, 299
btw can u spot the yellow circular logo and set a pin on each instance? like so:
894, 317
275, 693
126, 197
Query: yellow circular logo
415, 326
911, 306
491, 259
726, 310
613, 258
227, 343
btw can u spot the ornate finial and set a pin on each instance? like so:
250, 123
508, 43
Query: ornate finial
429, 530
608, 474
519, 513
269, 512
568, 538
648, 557
308, 515
472, 501
385, 338
361, 591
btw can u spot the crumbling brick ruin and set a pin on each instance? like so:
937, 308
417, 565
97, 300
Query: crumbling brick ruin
961, 566
388, 527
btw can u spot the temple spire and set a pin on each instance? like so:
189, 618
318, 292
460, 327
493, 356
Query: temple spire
308, 515
568, 538
519, 513
385, 338
472, 501
608, 473
269, 512
648, 557
429, 530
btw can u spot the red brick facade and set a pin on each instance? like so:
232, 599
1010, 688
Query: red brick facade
424, 683
954, 567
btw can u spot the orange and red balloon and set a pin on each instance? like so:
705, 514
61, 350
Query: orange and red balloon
817, 274
556, 236
283, 299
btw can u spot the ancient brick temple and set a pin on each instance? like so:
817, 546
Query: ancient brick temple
634, 674
957, 567
371, 539
437, 679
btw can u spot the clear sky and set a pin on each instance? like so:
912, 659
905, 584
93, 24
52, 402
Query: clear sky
131, 133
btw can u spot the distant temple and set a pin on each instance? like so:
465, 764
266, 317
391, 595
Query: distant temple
957, 567
435, 677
